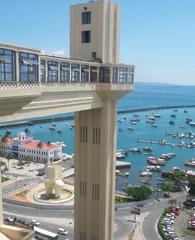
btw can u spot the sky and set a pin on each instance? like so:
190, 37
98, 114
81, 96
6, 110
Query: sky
158, 36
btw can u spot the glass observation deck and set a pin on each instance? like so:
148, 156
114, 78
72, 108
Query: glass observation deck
24, 67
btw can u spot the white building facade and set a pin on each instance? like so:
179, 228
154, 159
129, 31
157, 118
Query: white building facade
23, 146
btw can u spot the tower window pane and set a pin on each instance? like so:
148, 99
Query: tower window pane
86, 36
7, 65
86, 17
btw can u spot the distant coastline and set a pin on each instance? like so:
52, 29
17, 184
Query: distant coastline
51, 119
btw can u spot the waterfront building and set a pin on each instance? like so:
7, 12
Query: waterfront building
24, 146
90, 83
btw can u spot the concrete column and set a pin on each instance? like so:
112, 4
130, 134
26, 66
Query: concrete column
1, 208
59, 70
95, 142
17, 67
46, 71
38, 71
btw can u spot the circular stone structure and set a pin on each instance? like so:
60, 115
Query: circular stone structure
42, 197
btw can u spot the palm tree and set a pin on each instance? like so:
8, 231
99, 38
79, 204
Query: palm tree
8, 157
4, 141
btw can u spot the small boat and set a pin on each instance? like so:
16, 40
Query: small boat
120, 120
52, 127
135, 150
144, 180
156, 161
147, 149
120, 155
54, 124
120, 130
173, 115
190, 163
59, 131
192, 124
175, 110
182, 127
152, 118
130, 128
171, 122
185, 111
154, 126
188, 120
135, 119
72, 125
144, 173
156, 115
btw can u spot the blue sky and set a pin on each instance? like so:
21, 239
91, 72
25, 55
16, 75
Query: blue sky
158, 36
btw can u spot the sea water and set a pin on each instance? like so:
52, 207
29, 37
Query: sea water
145, 95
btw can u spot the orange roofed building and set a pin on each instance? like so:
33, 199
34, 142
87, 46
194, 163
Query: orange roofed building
23, 146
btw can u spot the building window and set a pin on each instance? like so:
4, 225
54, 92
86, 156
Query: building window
28, 67
84, 73
42, 71
94, 56
93, 74
86, 36
65, 72
86, 17
7, 65
115, 75
123, 75
52, 71
75, 73
104, 74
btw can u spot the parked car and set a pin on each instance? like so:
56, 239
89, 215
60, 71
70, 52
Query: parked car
62, 231
35, 223
9, 219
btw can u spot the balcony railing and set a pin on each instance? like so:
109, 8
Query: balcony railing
19, 69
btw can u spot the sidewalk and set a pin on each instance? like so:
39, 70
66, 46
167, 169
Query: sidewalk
137, 232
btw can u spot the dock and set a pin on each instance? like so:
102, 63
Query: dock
163, 142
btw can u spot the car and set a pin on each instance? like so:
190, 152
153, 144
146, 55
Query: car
62, 231
35, 223
9, 219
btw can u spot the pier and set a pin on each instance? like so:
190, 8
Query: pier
163, 142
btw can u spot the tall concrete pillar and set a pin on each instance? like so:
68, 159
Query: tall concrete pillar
1, 208
95, 142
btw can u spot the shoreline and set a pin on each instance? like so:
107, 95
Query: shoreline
57, 119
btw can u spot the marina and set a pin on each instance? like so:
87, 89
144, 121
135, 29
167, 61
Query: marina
135, 142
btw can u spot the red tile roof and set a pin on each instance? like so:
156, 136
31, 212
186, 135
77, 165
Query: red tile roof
45, 146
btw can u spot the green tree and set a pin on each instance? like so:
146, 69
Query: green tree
139, 192
20, 163
28, 159
176, 177
4, 141
167, 186
8, 157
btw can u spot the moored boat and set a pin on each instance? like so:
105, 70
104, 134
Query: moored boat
171, 122
156, 161
147, 149
137, 150
52, 127
190, 163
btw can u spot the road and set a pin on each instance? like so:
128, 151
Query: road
51, 219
